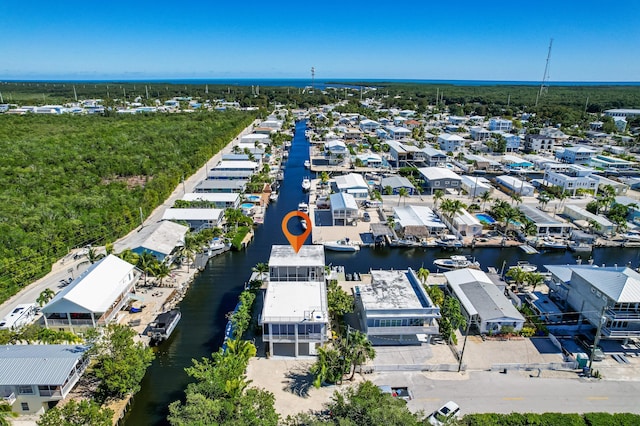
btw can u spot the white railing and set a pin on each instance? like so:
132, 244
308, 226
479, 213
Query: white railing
10, 399
381, 331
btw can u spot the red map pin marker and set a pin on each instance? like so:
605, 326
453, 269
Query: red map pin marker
296, 241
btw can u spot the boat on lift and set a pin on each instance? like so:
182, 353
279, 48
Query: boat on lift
456, 262
306, 184
303, 207
307, 164
524, 266
342, 245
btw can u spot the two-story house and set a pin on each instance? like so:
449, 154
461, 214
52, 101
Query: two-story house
394, 309
295, 315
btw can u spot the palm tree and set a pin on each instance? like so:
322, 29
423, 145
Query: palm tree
485, 198
360, 350
129, 256
391, 222
146, 263
45, 296
239, 348
403, 193
534, 279
388, 190
544, 199
261, 268
437, 196
529, 228
5, 412
518, 275
423, 275
161, 271
516, 197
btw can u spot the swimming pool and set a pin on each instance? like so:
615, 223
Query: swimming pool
247, 206
485, 218
253, 198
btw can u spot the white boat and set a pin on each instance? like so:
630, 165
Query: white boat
217, 244
580, 247
303, 207
306, 184
20, 316
456, 262
449, 241
307, 164
341, 245
525, 266
273, 196
164, 324
303, 223
551, 243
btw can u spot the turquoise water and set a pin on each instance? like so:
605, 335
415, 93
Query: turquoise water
485, 218
246, 206
253, 198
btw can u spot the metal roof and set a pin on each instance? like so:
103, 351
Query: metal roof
396, 182
539, 217
343, 201
96, 289
215, 215
433, 173
621, 284
309, 255
479, 295
166, 237
295, 301
38, 364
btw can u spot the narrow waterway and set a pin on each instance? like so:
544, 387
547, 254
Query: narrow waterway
214, 292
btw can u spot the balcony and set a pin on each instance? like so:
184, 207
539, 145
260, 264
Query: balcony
382, 331
290, 338
9, 399
614, 315
619, 333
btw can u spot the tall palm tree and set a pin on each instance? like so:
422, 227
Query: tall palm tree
5, 413
534, 279
423, 275
146, 263
129, 256
360, 350
161, 271
261, 268
516, 198
518, 275
45, 296
485, 198
437, 196
403, 193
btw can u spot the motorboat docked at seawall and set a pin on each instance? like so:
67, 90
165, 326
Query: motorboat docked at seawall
303, 207
273, 196
456, 262
341, 245
304, 224
164, 324
551, 243
307, 164
449, 241
580, 247
525, 266
306, 184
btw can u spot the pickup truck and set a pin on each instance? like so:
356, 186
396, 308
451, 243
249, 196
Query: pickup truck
401, 392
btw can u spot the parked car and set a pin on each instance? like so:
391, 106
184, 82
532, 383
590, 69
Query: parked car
401, 392
366, 217
445, 414
587, 344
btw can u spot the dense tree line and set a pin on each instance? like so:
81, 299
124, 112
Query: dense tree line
68, 181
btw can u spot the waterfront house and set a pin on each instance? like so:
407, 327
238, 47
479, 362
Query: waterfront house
603, 225
538, 143
344, 209
432, 157
404, 154
369, 125
575, 155
544, 223
418, 221
397, 133
241, 156
483, 163
622, 112
353, 184
336, 151
475, 186
214, 174
370, 159
570, 177
394, 309
218, 200
196, 219
483, 304
607, 296
450, 143
439, 178
94, 298
500, 124
228, 186
234, 166
162, 240
396, 183
514, 162
295, 315
513, 185
33, 378
610, 163
254, 138
467, 224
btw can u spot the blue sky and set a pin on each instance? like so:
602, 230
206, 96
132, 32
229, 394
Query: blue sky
457, 40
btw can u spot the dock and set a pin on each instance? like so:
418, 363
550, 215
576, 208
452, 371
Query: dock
528, 249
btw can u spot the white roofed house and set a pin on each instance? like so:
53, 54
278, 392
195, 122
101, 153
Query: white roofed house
369, 125
475, 186
197, 219
95, 297
238, 165
353, 184
607, 296
370, 159
418, 221
513, 185
467, 224
34, 377
450, 143
483, 303
544, 223
295, 314
344, 209
397, 133
163, 240
336, 151
395, 309
218, 200
396, 183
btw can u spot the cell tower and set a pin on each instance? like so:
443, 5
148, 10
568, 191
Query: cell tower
545, 78
313, 77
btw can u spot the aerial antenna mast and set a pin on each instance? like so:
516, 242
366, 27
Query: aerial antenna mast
313, 78
545, 78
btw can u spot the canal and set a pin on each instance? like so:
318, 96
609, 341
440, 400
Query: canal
215, 291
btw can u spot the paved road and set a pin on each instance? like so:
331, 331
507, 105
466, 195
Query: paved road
481, 392
68, 267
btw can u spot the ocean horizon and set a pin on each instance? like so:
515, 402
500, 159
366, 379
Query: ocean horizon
324, 83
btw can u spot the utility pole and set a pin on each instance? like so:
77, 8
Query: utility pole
545, 77
596, 340
464, 344
141, 218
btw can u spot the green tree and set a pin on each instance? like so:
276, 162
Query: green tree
120, 362
338, 301
437, 196
360, 350
330, 366
518, 275
451, 319
74, 413
5, 413
485, 197
261, 268
388, 190
423, 275
534, 279
403, 193
435, 294
367, 405
45, 296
